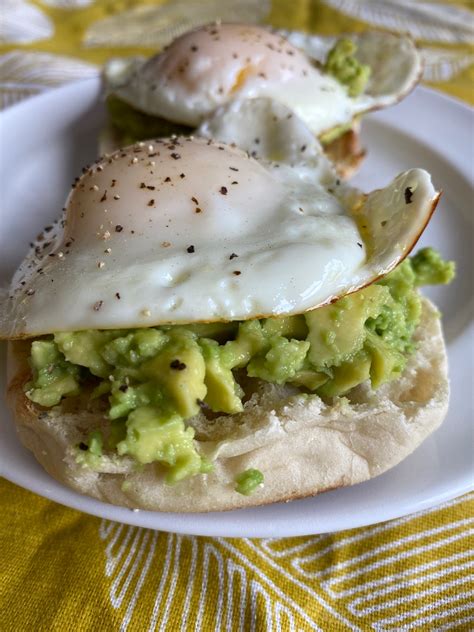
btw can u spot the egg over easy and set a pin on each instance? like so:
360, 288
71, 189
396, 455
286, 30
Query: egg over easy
217, 64
189, 230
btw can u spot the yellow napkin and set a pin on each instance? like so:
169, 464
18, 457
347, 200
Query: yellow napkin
61, 570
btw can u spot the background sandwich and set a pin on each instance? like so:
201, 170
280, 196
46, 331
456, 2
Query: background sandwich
329, 86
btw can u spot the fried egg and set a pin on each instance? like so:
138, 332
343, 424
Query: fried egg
186, 230
213, 65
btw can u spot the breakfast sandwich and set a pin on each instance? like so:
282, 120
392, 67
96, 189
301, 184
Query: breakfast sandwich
221, 66
203, 330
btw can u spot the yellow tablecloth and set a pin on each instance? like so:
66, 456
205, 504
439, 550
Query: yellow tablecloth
61, 570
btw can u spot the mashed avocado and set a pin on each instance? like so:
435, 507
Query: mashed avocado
343, 65
54, 377
135, 125
248, 481
155, 379
90, 453
334, 133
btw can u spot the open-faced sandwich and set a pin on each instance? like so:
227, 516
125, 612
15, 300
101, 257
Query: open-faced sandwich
205, 331
207, 71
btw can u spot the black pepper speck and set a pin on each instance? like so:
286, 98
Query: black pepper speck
177, 365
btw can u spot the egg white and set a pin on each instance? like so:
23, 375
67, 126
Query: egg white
190, 230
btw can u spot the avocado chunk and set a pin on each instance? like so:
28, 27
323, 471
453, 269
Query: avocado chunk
347, 375
248, 481
134, 348
386, 362
342, 64
336, 332
124, 398
309, 378
399, 316
430, 269
161, 437
396, 323
53, 377
84, 348
288, 326
223, 392
250, 340
281, 362
179, 369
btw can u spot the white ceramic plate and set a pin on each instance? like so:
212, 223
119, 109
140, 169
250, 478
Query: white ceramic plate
46, 141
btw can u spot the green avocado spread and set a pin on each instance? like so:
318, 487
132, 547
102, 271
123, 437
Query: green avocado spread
135, 125
153, 380
248, 481
342, 64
